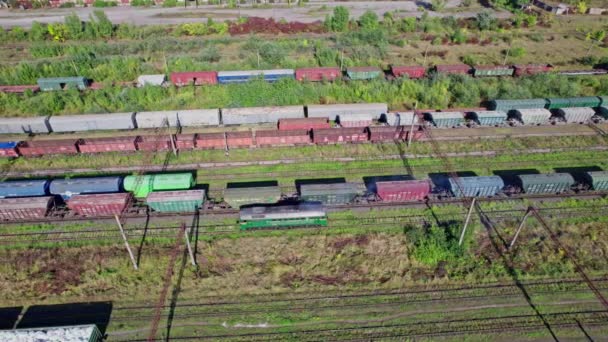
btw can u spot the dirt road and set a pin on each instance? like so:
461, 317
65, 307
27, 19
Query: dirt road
146, 16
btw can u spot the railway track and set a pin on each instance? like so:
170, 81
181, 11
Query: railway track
221, 174
369, 224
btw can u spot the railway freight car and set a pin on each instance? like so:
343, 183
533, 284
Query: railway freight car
99, 205
24, 188
61, 83
333, 111
92, 122
336, 193
24, 125
364, 73
537, 116
476, 186
487, 117
67, 188
318, 74
552, 183
142, 185
282, 138
196, 78
241, 76
47, 147
25, 208
9, 149
340, 135
115, 144
412, 72
184, 201
575, 114
240, 196
303, 124
597, 180
283, 216
258, 115
403, 190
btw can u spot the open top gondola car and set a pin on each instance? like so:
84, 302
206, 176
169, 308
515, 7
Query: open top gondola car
283, 216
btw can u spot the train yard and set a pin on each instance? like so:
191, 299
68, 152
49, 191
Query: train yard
320, 186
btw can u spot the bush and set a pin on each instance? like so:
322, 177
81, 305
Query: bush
438, 5
102, 3
338, 22
67, 5
407, 24
170, 3
38, 32
517, 52
459, 37
368, 21
140, 3
485, 21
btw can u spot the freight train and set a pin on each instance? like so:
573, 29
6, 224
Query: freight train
295, 125
264, 206
197, 78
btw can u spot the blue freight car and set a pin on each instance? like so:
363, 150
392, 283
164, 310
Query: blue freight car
477, 186
66, 188
247, 75
24, 188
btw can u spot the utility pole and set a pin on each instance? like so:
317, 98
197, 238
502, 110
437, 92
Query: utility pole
124, 238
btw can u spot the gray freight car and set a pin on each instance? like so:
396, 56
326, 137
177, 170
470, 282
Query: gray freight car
256, 115
530, 116
342, 110
399, 118
199, 117
575, 114
157, 119
37, 124
92, 122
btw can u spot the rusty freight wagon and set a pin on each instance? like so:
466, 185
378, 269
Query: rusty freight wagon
117, 144
339, 135
185, 141
210, 141
193, 78
239, 139
9, 149
303, 124
531, 69
412, 72
318, 74
99, 204
403, 190
453, 69
154, 143
384, 133
28, 208
282, 138
42, 147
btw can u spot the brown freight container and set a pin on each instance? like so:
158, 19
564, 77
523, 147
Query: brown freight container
117, 144
239, 139
386, 133
196, 78
18, 89
154, 143
280, 138
306, 124
417, 133
407, 190
25, 208
453, 69
184, 141
42, 147
531, 69
96, 85
99, 204
339, 135
412, 72
318, 74
210, 141
355, 123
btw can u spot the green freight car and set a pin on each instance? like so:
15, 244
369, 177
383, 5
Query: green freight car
237, 197
336, 193
488, 117
551, 183
567, 102
507, 105
283, 216
363, 73
492, 71
184, 201
60, 83
142, 185
598, 180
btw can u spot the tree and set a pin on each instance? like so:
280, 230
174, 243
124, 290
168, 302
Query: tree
388, 19
339, 21
595, 37
581, 7
438, 5
73, 26
38, 32
103, 26
485, 20
369, 20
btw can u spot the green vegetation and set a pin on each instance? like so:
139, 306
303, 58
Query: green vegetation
435, 92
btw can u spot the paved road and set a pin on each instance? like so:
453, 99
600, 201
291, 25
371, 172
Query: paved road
146, 16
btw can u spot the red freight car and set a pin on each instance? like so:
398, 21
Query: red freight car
210, 140
531, 69
19, 89
116, 144
278, 138
42, 147
412, 72
239, 139
99, 204
305, 123
409, 190
96, 85
184, 141
26, 208
154, 143
196, 78
318, 74
339, 135
453, 69
386, 133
